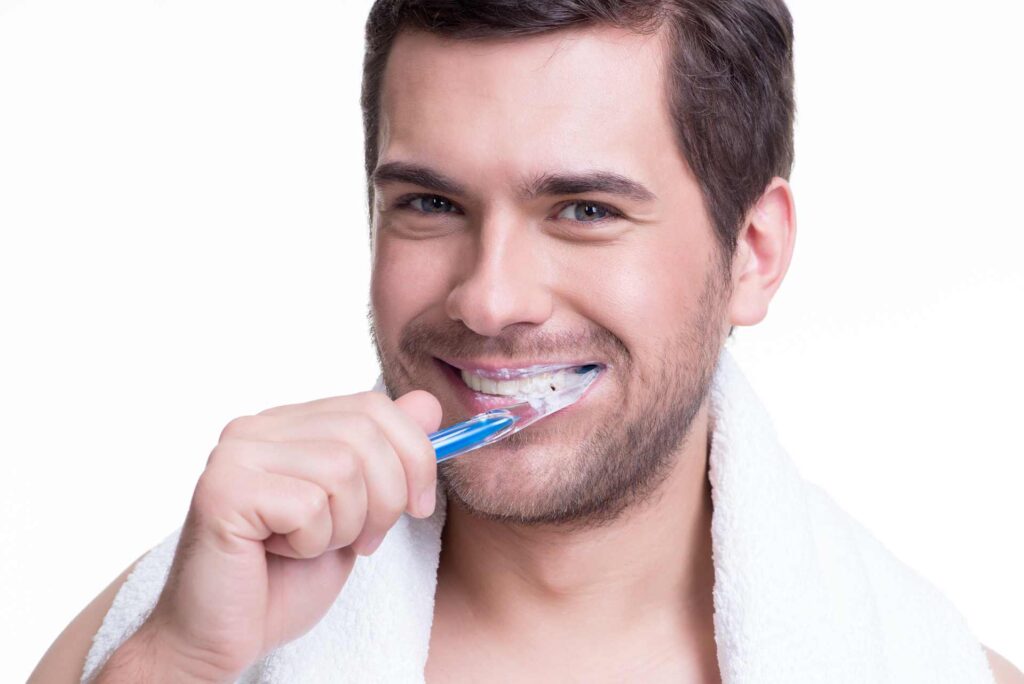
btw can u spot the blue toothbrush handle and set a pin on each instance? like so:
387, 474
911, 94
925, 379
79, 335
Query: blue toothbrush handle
470, 434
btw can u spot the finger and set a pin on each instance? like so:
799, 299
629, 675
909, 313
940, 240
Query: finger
407, 437
341, 403
406, 421
383, 472
332, 465
419, 405
423, 407
251, 505
385, 479
415, 450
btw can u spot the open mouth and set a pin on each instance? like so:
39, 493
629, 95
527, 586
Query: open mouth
532, 382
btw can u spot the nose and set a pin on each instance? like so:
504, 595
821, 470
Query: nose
504, 282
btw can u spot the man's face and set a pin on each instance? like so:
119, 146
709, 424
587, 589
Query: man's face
502, 271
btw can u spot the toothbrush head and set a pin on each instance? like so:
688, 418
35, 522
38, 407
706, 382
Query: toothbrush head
539, 406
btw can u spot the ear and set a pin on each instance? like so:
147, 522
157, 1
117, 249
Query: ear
764, 249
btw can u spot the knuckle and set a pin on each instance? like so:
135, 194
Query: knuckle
345, 467
393, 502
428, 482
312, 502
376, 405
421, 464
220, 529
425, 457
361, 427
236, 427
375, 401
347, 528
207, 494
220, 454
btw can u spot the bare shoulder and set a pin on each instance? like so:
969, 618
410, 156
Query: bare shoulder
1003, 669
65, 659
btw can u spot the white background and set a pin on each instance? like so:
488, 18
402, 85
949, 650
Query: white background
184, 240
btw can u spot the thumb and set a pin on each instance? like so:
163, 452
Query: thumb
423, 407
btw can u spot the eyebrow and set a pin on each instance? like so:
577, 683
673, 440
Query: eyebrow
583, 182
416, 174
573, 183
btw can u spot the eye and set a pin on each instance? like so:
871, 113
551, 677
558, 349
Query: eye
426, 204
584, 211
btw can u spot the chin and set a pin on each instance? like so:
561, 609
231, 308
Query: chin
506, 473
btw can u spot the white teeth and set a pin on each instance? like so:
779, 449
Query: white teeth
530, 385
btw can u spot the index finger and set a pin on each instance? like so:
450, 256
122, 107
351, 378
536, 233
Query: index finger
404, 424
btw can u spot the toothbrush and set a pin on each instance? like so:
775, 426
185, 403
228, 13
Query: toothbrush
490, 426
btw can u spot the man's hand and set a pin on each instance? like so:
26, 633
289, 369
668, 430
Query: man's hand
288, 498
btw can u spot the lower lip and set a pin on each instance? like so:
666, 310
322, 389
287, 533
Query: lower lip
477, 402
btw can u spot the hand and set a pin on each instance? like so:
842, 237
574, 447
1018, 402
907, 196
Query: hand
288, 498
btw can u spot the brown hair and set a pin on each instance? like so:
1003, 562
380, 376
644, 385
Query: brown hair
730, 79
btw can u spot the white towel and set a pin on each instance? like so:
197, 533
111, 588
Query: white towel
802, 592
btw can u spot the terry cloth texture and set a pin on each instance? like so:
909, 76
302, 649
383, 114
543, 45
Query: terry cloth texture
802, 593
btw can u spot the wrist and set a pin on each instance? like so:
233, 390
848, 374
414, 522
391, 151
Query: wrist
151, 655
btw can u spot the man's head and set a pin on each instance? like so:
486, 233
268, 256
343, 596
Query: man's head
574, 182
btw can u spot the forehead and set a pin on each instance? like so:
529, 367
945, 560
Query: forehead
497, 108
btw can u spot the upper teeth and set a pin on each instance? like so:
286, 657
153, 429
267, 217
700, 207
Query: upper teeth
530, 385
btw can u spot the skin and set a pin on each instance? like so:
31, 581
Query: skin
554, 545
555, 540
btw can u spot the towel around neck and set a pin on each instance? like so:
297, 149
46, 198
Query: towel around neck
802, 592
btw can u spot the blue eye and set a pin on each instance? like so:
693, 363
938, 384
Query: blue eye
427, 204
588, 212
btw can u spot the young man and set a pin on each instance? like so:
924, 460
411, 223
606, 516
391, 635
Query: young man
557, 183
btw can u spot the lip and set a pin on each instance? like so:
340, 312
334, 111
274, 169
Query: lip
476, 402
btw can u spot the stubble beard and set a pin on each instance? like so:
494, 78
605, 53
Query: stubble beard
616, 467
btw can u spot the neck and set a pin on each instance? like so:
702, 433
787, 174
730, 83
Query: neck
650, 568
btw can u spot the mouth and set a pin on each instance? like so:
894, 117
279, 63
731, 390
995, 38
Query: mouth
482, 388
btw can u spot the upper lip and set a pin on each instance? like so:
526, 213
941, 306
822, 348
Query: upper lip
498, 369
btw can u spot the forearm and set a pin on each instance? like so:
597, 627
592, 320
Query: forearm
145, 657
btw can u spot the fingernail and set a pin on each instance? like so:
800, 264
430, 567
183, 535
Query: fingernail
426, 503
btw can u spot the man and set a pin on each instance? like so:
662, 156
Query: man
560, 183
